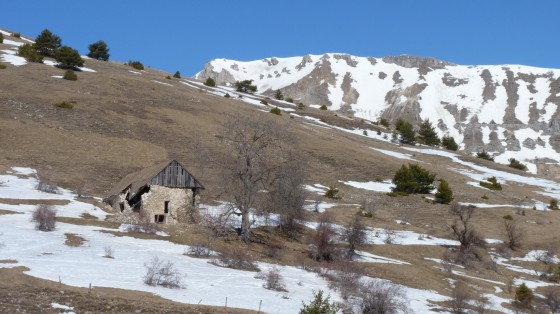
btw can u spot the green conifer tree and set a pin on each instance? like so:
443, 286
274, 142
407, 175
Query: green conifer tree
47, 43
406, 131
68, 58
413, 179
444, 194
427, 134
98, 50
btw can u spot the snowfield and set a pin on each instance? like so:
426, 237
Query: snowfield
47, 257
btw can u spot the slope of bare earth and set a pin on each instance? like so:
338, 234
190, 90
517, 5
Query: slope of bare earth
124, 121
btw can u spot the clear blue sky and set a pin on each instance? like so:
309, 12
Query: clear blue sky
184, 35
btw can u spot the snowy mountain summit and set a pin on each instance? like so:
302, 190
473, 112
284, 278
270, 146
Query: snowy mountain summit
508, 110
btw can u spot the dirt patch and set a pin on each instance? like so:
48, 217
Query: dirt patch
74, 240
13, 201
8, 261
8, 212
89, 222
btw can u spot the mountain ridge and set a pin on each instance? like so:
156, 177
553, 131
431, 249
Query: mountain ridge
508, 110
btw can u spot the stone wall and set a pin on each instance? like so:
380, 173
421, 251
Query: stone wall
153, 203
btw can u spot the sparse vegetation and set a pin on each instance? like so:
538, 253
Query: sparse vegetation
278, 95
136, 64
235, 258
64, 105
354, 235
210, 82
462, 228
246, 86
301, 106
491, 184
99, 51
109, 252
44, 218
382, 297
70, 75
553, 204
333, 193
276, 111
523, 296
323, 243
2, 67
449, 143
413, 179
514, 163
484, 155
1, 38
177, 75
290, 100
273, 280
514, 234
227, 95
16, 35
323, 107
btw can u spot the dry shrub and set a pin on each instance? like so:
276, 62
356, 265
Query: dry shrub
382, 297
344, 277
44, 217
109, 252
552, 298
514, 234
273, 280
45, 185
273, 251
323, 247
236, 258
199, 249
162, 273
354, 235
390, 236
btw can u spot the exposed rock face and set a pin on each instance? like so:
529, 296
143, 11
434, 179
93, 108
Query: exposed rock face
496, 108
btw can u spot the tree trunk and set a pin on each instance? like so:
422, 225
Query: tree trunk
245, 224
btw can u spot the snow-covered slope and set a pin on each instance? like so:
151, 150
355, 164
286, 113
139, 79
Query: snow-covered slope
509, 110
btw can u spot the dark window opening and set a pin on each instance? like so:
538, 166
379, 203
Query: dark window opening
121, 205
166, 207
159, 218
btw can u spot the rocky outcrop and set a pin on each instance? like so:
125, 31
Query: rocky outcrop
407, 61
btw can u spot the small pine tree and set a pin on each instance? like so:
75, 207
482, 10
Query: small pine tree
384, 122
70, 75
413, 179
427, 134
323, 107
1, 38
68, 58
246, 86
177, 75
136, 64
319, 305
484, 155
16, 35
406, 131
290, 100
227, 95
210, 82
98, 50
523, 296
278, 95
444, 194
514, 163
449, 143
276, 111
47, 43
30, 54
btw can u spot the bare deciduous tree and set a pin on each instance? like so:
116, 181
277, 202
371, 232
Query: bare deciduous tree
324, 246
382, 297
552, 298
354, 234
462, 228
44, 217
514, 234
459, 297
260, 153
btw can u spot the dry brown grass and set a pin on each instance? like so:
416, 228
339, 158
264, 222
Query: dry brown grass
74, 240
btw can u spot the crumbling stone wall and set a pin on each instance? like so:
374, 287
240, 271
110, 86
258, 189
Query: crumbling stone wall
180, 200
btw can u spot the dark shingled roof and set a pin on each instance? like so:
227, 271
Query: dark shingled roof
143, 177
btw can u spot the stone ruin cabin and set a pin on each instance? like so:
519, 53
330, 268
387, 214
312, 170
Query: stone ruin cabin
164, 192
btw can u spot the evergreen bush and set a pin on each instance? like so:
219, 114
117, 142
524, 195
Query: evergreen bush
98, 50
68, 58
136, 64
227, 95
278, 95
427, 134
384, 122
16, 35
30, 54
484, 155
491, 183
64, 104
70, 75
300, 105
514, 163
523, 296
553, 204
413, 179
332, 192
319, 305
2, 66
406, 131
449, 143
290, 100
276, 111
1, 38
323, 107
246, 86
210, 82
177, 75
444, 194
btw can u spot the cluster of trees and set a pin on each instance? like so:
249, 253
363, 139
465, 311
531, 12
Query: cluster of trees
246, 86
426, 134
413, 179
48, 44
